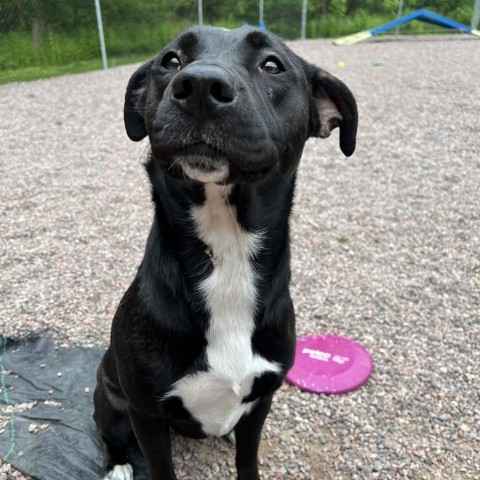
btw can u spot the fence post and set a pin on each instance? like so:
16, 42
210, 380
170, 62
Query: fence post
303, 29
400, 12
200, 12
476, 14
100, 34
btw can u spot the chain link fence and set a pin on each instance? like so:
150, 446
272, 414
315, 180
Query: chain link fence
39, 33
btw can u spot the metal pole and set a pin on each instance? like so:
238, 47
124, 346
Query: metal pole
400, 12
260, 14
476, 14
100, 34
200, 12
304, 20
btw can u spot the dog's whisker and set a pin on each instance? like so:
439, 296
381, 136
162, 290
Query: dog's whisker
172, 165
235, 221
145, 177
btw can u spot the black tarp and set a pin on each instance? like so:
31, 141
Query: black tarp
59, 382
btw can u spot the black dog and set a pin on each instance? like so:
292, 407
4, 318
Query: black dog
206, 332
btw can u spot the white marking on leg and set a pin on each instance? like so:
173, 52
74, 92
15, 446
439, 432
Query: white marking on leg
232, 438
215, 397
120, 472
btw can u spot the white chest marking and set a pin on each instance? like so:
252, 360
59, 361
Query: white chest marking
214, 398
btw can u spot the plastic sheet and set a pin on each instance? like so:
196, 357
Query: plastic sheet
46, 411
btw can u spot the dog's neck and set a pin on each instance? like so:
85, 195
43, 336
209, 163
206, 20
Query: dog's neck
258, 211
258, 207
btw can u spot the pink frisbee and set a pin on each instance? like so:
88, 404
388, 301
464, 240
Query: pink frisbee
329, 364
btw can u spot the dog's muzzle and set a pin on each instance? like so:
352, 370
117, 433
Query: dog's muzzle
208, 128
200, 91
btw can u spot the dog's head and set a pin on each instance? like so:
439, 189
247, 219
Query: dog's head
233, 106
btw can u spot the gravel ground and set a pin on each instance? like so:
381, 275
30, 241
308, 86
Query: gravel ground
386, 248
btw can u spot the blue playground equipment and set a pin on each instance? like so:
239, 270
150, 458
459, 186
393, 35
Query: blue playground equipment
421, 15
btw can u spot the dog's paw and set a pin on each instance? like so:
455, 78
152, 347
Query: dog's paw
230, 438
120, 472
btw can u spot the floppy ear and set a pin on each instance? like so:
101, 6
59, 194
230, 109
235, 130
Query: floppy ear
336, 107
133, 114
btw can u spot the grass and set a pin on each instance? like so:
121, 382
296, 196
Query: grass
330, 27
26, 74
61, 54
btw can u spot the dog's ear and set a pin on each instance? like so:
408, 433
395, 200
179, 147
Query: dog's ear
335, 107
133, 110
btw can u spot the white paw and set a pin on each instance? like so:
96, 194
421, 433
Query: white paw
231, 438
120, 472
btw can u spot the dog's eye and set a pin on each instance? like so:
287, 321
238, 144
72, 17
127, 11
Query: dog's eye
171, 62
272, 66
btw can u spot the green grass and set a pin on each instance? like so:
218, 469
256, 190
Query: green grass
330, 27
26, 74
60, 54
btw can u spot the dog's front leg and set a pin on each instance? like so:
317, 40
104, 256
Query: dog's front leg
153, 436
247, 436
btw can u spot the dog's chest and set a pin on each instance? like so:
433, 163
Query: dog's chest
215, 397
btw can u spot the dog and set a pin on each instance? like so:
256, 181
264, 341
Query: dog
205, 334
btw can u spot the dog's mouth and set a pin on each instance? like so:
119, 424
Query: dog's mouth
205, 163
202, 163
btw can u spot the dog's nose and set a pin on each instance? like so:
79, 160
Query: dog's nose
203, 88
